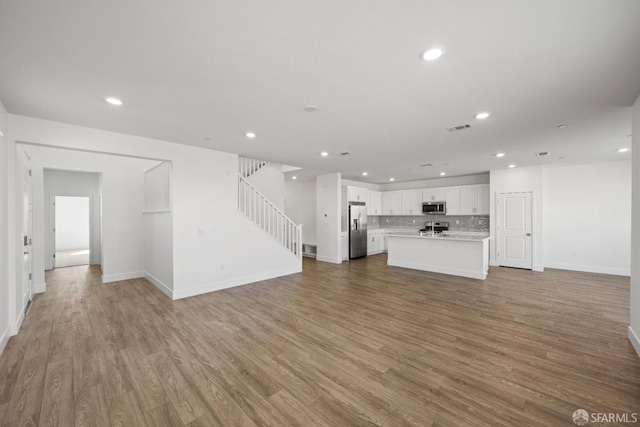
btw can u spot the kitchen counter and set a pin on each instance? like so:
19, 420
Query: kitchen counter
462, 236
458, 254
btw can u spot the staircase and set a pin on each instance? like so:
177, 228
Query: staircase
255, 206
247, 167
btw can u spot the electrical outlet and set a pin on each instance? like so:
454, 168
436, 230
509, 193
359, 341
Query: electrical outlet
414, 221
387, 220
457, 222
573, 253
221, 266
200, 231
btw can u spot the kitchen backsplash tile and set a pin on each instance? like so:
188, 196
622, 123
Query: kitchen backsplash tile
477, 223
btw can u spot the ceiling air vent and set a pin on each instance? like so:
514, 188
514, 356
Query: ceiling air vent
427, 165
459, 127
542, 154
344, 153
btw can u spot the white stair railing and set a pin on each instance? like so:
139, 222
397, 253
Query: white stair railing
267, 216
247, 167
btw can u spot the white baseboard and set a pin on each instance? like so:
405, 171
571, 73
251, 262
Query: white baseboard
15, 327
41, 288
224, 284
437, 269
329, 259
538, 268
4, 339
634, 340
493, 263
158, 284
122, 276
590, 268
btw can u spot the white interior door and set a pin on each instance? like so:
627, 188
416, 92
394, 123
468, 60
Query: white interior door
514, 244
27, 282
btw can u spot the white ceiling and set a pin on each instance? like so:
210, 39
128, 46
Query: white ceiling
204, 72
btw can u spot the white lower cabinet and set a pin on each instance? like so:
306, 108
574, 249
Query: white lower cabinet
375, 241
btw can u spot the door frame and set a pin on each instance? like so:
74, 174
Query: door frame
29, 292
533, 226
51, 250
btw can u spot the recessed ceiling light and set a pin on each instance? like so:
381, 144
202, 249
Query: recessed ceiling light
392, 179
324, 154
432, 53
623, 150
310, 108
250, 135
483, 115
1, 133
206, 138
512, 166
562, 126
294, 177
364, 174
443, 173
113, 101
500, 154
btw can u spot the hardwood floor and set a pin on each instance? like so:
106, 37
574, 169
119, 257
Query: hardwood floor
339, 345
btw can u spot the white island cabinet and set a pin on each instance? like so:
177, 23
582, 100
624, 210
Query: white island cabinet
458, 255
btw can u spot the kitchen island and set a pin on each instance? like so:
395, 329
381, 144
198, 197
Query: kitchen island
465, 255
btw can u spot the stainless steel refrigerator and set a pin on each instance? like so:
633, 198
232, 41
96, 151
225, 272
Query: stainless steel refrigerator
357, 230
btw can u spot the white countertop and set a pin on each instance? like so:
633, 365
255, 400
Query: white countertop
461, 237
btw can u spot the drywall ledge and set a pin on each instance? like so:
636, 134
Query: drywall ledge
634, 340
158, 284
122, 276
224, 284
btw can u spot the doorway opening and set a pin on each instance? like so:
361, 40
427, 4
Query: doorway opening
72, 231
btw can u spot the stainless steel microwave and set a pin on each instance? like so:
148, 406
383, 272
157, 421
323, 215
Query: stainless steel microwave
434, 208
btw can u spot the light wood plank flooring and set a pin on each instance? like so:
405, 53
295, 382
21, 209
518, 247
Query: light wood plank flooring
355, 344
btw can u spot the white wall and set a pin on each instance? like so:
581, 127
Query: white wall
123, 202
72, 223
300, 206
587, 217
158, 227
158, 250
328, 193
519, 180
482, 178
269, 180
634, 323
214, 245
72, 183
4, 283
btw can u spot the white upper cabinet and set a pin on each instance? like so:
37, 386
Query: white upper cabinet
374, 206
474, 200
412, 202
453, 201
392, 203
357, 194
466, 201
481, 199
434, 194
